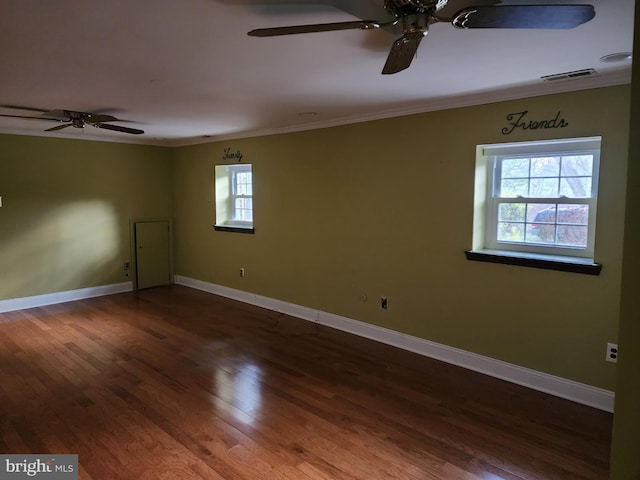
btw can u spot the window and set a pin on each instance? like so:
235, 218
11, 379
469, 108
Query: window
234, 198
538, 199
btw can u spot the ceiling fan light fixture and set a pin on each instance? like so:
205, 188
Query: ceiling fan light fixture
616, 57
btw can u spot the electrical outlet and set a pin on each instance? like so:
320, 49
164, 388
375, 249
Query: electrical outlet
612, 353
383, 303
242, 272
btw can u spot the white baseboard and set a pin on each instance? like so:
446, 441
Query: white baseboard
61, 297
558, 386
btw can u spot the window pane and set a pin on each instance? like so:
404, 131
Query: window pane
532, 229
531, 234
511, 212
545, 167
243, 183
569, 235
510, 232
514, 188
533, 209
544, 187
542, 228
543, 223
575, 187
565, 225
515, 168
577, 166
573, 214
244, 209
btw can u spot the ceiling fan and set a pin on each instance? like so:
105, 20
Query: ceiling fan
71, 118
415, 17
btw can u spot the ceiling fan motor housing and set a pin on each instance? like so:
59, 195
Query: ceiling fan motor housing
77, 119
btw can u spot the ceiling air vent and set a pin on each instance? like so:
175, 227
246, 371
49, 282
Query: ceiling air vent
587, 72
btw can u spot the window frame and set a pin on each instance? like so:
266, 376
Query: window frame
233, 196
226, 196
488, 164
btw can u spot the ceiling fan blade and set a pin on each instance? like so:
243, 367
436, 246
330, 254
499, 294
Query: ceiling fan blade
118, 128
101, 118
30, 118
402, 52
320, 27
58, 127
29, 109
524, 16
59, 114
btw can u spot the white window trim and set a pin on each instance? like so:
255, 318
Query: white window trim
232, 196
225, 198
485, 205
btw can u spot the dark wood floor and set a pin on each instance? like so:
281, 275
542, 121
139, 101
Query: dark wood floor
173, 383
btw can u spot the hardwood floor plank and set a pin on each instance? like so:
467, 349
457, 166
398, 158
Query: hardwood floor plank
173, 383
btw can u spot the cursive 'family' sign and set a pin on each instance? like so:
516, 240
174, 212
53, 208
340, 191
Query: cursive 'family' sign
228, 155
517, 120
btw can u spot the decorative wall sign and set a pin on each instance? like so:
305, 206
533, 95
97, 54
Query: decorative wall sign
517, 120
231, 156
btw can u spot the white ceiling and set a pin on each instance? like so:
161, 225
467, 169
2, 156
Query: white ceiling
186, 71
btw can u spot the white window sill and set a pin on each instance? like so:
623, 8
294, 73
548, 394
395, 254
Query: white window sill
534, 260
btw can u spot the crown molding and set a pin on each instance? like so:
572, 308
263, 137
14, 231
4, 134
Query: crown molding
482, 97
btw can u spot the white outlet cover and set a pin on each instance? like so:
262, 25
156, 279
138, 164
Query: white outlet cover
612, 353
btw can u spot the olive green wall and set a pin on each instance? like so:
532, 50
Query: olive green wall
385, 208
625, 461
367, 210
66, 212
378, 209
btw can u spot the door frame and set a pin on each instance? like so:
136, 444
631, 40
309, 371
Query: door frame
133, 264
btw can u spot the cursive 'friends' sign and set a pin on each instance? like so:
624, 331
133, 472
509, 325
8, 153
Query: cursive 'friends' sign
518, 120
